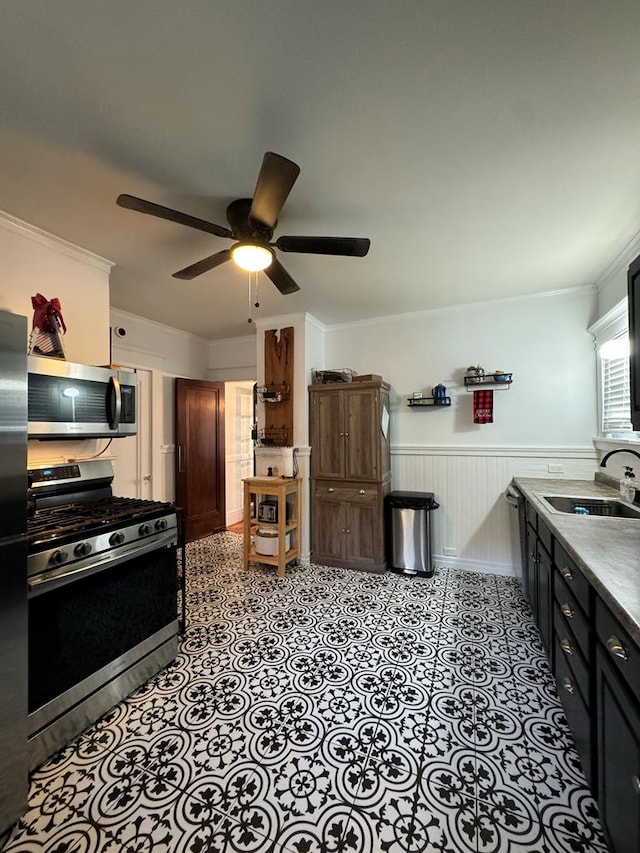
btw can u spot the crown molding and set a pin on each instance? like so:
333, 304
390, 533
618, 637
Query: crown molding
30, 232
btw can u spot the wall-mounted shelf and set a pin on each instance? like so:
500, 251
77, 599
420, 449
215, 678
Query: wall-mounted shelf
427, 402
276, 393
488, 380
273, 437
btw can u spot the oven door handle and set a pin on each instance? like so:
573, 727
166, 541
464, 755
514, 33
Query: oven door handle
115, 402
41, 584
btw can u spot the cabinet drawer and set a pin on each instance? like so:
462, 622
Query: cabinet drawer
338, 490
573, 577
576, 710
621, 649
569, 613
567, 648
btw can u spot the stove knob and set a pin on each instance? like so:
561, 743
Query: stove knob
161, 524
82, 549
58, 557
116, 538
144, 529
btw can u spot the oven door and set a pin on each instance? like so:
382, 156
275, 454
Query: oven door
96, 626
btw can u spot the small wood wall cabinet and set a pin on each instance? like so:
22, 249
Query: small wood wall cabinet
350, 473
286, 491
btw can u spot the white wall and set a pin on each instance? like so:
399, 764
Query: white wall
542, 340
543, 424
36, 262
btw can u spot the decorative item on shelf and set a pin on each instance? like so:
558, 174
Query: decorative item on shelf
48, 327
273, 437
324, 377
439, 393
474, 375
274, 393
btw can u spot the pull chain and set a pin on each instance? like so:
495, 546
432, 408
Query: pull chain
252, 287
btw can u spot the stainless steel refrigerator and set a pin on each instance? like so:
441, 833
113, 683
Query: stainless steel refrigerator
13, 570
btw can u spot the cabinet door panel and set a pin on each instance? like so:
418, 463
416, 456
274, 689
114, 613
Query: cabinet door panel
364, 537
328, 524
327, 434
544, 615
576, 710
362, 425
619, 759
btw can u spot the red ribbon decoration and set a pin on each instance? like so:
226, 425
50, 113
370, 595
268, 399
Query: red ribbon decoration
47, 314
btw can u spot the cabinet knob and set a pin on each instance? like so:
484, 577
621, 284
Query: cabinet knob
342, 434
568, 685
635, 781
347, 434
348, 530
331, 489
567, 610
362, 492
616, 648
566, 573
566, 646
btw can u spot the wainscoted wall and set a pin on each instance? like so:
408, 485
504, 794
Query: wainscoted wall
474, 521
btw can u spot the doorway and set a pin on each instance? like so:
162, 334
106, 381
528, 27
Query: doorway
239, 423
200, 456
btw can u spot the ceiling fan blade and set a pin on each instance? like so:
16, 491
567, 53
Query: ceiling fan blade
354, 247
280, 277
204, 265
133, 203
277, 177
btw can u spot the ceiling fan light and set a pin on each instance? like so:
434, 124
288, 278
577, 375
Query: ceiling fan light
251, 257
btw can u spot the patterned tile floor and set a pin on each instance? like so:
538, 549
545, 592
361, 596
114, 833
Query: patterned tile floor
329, 712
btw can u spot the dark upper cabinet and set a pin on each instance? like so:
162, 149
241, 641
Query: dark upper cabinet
633, 285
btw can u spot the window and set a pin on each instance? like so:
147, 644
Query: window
615, 390
611, 338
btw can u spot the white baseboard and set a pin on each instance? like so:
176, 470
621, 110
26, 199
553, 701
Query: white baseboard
490, 568
234, 516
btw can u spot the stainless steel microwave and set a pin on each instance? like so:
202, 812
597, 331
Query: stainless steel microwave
67, 400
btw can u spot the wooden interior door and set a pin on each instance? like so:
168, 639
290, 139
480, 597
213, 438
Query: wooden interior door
200, 463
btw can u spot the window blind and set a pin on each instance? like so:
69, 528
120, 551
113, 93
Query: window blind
616, 399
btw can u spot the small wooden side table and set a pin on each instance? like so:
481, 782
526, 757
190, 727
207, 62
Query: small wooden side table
286, 490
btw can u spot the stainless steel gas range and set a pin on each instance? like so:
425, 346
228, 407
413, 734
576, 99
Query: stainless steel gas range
102, 587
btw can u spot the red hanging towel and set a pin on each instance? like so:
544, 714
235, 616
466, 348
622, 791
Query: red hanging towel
483, 407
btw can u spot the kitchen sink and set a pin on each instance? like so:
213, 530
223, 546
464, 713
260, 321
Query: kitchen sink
609, 507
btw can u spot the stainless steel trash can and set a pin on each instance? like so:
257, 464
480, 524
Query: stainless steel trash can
408, 532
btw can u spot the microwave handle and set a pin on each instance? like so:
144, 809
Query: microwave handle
115, 402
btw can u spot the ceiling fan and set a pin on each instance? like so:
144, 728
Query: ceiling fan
251, 224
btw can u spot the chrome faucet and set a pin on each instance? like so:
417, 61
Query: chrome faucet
603, 463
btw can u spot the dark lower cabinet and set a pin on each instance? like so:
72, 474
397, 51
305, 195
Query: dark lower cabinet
596, 664
619, 758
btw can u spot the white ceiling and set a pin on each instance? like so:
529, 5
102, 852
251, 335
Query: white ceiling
488, 148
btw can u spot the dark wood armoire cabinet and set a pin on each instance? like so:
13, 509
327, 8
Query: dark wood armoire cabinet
350, 473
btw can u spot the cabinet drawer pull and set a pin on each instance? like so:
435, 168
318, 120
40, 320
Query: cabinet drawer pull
635, 781
568, 685
566, 646
616, 648
566, 573
567, 611
331, 489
